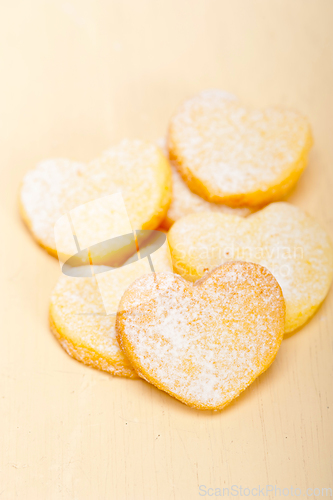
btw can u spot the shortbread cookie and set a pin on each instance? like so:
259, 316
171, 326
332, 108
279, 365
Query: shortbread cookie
229, 154
80, 323
281, 237
203, 343
136, 169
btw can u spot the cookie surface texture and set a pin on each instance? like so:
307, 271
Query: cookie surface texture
203, 343
281, 237
136, 169
232, 155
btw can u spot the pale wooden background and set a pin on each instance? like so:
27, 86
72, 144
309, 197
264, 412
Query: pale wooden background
75, 77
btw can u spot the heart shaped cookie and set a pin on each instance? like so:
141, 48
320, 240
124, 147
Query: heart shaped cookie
231, 155
203, 343
136, 169
281, 237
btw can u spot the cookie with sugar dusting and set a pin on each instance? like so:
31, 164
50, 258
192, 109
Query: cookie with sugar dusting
281, 237
135, 168
203, 343
229, 154
185, 202
78, 320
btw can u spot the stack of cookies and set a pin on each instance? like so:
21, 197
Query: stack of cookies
246, 268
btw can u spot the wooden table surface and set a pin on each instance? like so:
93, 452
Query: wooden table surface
75, 77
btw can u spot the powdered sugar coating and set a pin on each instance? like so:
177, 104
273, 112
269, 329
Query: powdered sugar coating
229, 154
281, 237
135, 168
203, 343
79, 321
